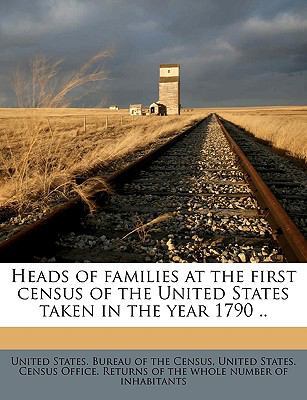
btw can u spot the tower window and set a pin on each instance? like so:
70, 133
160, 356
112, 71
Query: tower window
169, 71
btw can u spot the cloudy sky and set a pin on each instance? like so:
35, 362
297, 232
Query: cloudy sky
232, 52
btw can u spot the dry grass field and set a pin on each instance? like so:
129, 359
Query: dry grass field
285, 128
42, 150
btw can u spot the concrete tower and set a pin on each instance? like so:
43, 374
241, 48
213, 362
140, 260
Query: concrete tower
169, 88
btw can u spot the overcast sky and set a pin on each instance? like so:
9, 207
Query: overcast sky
232, 52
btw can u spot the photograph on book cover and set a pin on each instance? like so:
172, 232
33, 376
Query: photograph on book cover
153, 197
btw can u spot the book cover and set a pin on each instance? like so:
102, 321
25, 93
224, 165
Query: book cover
153, 199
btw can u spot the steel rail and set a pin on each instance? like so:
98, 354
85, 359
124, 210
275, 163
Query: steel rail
285, 232
37, 237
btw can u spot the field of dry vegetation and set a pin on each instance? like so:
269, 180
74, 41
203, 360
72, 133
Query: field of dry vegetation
285, 128
42, 150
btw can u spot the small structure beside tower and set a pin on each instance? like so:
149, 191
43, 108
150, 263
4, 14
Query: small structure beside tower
157, 109
137, 109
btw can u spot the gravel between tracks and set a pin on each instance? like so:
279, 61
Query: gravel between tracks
191, 205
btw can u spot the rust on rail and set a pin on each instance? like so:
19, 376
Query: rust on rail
285, 231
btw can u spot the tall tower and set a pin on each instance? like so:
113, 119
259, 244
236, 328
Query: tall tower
169, 88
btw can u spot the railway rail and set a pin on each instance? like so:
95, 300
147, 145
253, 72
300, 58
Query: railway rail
191, 200
285, 178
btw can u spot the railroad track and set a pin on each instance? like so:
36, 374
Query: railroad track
286, 179
189, 201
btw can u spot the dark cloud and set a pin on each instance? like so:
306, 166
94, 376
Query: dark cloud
231, 52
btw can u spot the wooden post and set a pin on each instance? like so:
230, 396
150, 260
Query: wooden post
84, 124
121, 120
106, 121
51, 131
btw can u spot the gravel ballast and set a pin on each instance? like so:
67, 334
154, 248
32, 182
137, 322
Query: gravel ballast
191, 205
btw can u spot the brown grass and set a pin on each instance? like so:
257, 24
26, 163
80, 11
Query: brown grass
40, 154
284, 128
142, 227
